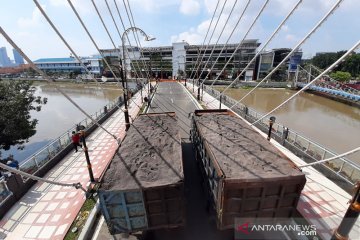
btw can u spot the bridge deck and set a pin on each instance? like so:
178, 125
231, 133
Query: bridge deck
322, 202
47, 211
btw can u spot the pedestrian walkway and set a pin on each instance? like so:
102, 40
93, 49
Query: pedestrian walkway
47, 211
322, 202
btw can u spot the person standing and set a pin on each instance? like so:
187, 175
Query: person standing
75, 140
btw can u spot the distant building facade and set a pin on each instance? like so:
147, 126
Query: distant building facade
4, 59
18, 58
182, 59
14, 70
268, 60
70, 65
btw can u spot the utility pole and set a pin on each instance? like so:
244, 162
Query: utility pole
125, 91
82, 134
350, 218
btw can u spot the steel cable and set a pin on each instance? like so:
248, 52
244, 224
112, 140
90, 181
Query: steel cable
237, 23
350, 51
13, 170
217, 41
212, 34
292, 51
48, 79
207, 32
240, 43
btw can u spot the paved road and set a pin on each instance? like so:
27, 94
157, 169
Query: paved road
199, 223
173, 97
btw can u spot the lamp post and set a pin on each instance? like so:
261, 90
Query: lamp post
123, 77
271, 122
83, 137
197, 60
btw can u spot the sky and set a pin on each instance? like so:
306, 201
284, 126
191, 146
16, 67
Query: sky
175, 21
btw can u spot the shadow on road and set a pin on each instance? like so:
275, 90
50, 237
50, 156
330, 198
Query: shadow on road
199, 223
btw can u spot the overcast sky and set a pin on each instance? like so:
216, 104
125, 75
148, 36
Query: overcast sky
176, 20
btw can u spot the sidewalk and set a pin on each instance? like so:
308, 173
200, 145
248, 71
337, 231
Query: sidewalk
322, 202
47, 211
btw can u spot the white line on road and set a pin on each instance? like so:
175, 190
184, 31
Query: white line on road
172, 101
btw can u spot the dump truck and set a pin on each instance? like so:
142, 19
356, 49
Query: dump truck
244, 175
143, 187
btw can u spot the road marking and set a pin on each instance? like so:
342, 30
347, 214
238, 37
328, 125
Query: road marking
172, 101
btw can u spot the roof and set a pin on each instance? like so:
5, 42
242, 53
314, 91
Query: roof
57, 60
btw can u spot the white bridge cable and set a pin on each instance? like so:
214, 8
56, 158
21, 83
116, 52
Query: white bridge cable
227, 41
217, 41
64, 41
13, 170
48, 79
123, 25
241, 41
68, 46
336, 5
136, 36
263, 46
212, 34
92, 39
207, 32
108, 33
349, 52
118, 31
332, 158
98, 49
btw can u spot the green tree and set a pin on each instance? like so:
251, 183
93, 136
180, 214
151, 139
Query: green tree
17, 100
351, 63
341, 76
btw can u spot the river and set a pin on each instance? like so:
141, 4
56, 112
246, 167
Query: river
58, 114
332, 124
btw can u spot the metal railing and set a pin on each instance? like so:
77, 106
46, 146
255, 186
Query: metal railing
325, 89
343, 167
40, 158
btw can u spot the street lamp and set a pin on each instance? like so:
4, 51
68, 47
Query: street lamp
83, 137
147, 38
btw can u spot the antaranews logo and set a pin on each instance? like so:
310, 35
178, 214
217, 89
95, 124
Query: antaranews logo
272, 229
244, 228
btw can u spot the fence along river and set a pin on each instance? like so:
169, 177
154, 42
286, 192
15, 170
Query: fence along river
59, 115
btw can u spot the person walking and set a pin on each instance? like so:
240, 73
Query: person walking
75, 140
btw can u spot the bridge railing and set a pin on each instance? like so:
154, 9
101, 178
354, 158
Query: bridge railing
40, 158
343, 168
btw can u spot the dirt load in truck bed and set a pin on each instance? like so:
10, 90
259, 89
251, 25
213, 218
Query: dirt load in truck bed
149, 156
241, 152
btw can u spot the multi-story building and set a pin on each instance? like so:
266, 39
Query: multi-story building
268, 60
70, 65
228, 60
4, 59
18, 58
182, 59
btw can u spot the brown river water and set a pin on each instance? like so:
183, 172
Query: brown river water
332, 124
